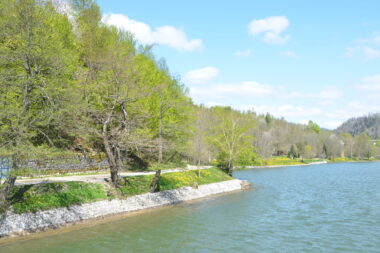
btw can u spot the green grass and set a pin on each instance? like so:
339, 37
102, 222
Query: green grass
135, 185
277, 160
32, 198
189, 178
168, 181
346, 159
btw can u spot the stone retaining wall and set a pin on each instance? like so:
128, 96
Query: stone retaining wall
19, 224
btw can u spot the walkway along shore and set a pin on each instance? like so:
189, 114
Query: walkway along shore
12, 224
98, 178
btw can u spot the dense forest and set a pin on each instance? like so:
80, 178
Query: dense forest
70, 83
369, 124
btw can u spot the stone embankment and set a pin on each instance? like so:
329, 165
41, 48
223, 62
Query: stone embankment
12, 224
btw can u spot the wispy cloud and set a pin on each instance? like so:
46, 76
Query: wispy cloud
244, 53
367, 48
374, 39
200, 76
163, 35
271, 28
370, 83
279, 101
367, 52
238, 90
290, 54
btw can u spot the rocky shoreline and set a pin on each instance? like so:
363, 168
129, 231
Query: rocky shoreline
12, 224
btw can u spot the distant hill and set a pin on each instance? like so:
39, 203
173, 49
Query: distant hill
369, 124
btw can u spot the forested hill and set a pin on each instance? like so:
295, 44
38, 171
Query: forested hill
369, 124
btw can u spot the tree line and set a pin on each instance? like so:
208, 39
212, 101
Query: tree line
70, 82
369, 123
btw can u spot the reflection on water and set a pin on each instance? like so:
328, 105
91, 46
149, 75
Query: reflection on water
320, 208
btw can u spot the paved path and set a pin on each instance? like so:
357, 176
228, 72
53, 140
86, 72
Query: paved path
96, 178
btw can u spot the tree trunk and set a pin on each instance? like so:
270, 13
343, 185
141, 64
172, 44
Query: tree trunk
230, 170
6, 190
114, 176
155, 180
160, 144
110, 155
230, 165
199, 167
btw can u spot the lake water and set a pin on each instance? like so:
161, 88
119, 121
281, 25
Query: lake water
318, 208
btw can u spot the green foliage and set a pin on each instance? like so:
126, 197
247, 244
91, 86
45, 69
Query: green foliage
36, 75
325, 150
168, 181
130, 186
230, 136
364, 146
293, 153
314, 127
308, 151
281, 160
33, 198
269, 118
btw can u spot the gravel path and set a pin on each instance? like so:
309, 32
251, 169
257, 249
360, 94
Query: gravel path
97, 178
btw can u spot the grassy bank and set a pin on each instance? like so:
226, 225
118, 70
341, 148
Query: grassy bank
282, 160
168, 181
346, 159
277, 160
32, 198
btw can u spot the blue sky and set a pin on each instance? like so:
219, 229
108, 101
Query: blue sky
303, 60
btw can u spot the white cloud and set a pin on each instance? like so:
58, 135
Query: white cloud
244, 53
323, 97
329, 119
211, 104
288, 110
163, 35
271, 28
303, 122
331, 124
328, 94
368, 48
290, 54
370, 83
374, 39
243, 89
320, 106
370, 53
200, 76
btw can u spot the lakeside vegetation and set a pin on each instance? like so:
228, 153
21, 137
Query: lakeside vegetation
72, 86
33, 198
